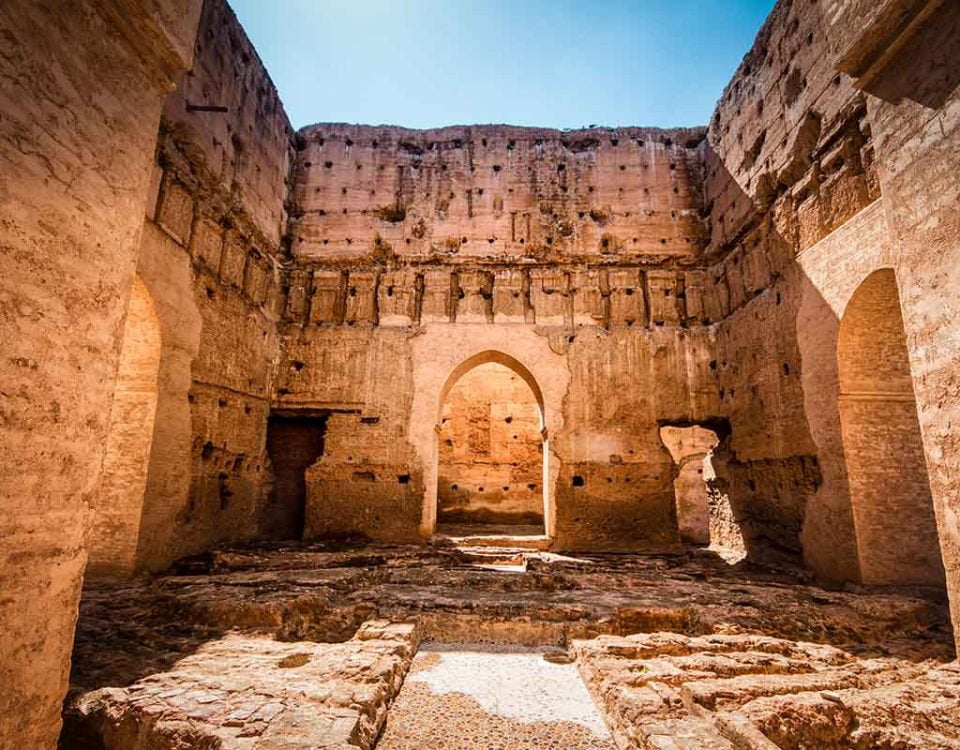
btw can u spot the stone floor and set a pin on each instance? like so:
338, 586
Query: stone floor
250, 691
889, 663
726, 692
469, 696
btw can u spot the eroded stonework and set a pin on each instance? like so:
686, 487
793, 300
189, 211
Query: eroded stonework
246, 644
218, 330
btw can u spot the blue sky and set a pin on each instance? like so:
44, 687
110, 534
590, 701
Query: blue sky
552, 63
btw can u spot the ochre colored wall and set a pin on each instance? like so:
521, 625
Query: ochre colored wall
889, 487
640, 277
490, 450
118, 504
210, 256
836, 144
492, 238
473, 192
78, 124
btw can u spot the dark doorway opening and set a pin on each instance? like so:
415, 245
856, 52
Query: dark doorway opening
294, 443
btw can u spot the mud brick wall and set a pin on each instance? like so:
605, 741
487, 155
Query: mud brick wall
831, 157
611, 477
210, 260
78, 125
790, 158
913, 101
548, 247
496, 190
490, 450
635, 278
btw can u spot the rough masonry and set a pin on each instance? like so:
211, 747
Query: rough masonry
219, 330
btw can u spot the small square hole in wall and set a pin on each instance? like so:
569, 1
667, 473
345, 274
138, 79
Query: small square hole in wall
577, 480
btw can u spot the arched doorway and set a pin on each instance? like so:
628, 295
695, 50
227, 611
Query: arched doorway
118, 503
491, 446
889, 490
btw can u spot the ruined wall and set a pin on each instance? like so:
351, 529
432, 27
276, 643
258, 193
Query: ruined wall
504, 226
611, 484
910, 76
691, 450
497, 191
78, 124
367, 480
210, 259
881, 440
583, 245
612, 476
834, 145
490, 450
118, 504
790, 159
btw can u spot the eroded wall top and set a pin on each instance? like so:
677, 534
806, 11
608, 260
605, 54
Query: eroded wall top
494, 191
790, 128
243, 152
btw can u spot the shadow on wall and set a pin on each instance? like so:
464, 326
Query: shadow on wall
857, 507
490, 465
766, 462
886, 468
923, 69
795, 456
701, 507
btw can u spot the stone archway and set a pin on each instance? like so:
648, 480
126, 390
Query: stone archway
440, 354
890, 495
118, 504
492, 458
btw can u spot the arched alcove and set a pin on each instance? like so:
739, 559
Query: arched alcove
118, 503
889, 489
491, 445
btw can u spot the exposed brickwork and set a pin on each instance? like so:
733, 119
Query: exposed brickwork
636, 279
474, 192
490, 450
78, 125
210, 259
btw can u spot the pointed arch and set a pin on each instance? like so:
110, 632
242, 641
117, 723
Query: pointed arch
482, 475
500, 358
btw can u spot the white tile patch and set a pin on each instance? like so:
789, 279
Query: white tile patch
518, 685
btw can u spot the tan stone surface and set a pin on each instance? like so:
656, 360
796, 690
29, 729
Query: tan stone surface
707, 634
119, 500
638, 280
245, 692
209, 257
490, 463
495, 190
764, 693
82, 93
